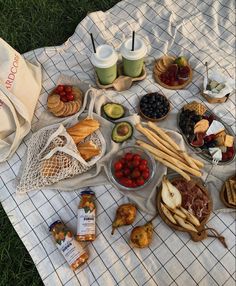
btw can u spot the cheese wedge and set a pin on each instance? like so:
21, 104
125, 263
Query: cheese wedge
229, 141
215, 128
216, 153
220, 138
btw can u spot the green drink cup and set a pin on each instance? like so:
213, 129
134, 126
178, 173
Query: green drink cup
104, 62
133, 60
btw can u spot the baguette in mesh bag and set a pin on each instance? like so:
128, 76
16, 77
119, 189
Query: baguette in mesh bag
53, 156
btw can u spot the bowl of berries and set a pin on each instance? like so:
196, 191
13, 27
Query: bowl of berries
131, 168
154, 106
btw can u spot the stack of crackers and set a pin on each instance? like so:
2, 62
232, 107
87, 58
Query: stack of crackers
229, 190
196, 106
60, 108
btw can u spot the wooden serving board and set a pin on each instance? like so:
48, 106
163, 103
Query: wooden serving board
122, 82
223, 195
176, 87
194, 236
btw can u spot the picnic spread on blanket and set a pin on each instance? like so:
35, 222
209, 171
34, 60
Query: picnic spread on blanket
117, 148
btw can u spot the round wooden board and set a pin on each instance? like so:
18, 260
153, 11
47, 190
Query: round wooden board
181, 86
152, 119
194, 236
223, 195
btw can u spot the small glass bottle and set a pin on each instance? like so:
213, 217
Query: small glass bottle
71, 249
86, 217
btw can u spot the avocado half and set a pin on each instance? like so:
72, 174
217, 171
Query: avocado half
122, 131
113, 110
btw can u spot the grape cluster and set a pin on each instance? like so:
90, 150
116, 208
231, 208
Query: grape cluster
187, 120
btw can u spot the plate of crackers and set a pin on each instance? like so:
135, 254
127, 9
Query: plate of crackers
228, 192
65, 100
172, 72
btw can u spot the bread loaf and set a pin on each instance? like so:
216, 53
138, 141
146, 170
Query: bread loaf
82, 129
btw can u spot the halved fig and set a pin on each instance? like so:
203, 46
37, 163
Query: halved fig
184, 72
198, 140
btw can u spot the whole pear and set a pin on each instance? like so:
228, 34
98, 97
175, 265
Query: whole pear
125, 215
141, 236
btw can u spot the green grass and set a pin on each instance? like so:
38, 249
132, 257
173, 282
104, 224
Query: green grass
26, 25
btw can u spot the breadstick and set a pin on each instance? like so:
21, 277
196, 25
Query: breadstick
172, 160
155, 141
175, 153
171, 166
192, 162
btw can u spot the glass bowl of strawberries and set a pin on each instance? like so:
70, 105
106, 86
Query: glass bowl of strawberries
131, 168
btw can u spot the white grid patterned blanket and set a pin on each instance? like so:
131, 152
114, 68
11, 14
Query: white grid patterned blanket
203, 31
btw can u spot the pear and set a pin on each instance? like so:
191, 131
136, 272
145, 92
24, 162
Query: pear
177, 211
168, 214
141, 236
125, 215
190, 217
170, 195
181, 61
184, 223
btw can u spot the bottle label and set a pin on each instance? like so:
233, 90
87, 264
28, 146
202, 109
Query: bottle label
70, 248
86, 222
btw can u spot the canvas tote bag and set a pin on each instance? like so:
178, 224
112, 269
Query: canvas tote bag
20, 85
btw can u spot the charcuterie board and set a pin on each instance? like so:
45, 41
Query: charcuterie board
201, 200
186, 128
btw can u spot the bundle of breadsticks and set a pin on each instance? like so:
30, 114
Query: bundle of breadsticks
167, 152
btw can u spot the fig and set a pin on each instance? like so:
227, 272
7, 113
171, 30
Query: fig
198, 141
184, 72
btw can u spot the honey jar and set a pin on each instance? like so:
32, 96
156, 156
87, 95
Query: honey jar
86, 217
71, 249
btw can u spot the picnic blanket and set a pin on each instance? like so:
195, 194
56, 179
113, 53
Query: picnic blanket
201, 30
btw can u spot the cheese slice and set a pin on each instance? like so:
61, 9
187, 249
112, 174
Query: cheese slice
216, 153
215, 128
229, 141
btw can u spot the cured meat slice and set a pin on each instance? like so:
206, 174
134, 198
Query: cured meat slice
194, 199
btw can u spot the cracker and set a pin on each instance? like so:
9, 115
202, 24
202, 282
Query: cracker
229, 193
70, 108
60, 113
74, 107
232, 184
199, 108
53, 100
56, 108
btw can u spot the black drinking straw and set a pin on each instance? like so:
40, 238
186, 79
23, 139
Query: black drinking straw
133, 41
94, 49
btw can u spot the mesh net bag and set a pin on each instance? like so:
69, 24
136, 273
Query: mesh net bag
53, 156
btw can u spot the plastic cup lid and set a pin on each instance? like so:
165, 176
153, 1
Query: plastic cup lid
104, 57
140, 49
